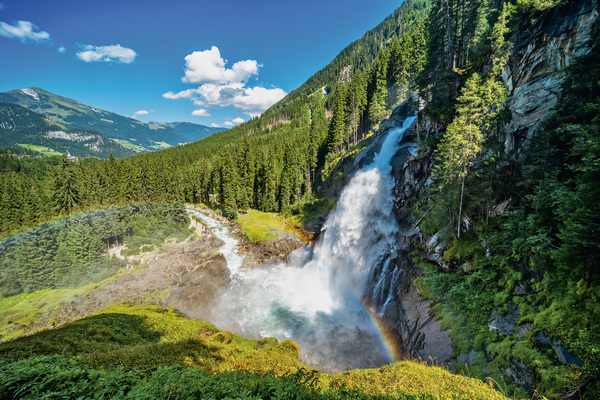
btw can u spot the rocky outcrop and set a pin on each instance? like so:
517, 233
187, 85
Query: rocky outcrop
540, 53
198, 285
419, 333
270, 251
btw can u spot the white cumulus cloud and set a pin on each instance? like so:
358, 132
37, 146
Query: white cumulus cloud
234, 121
253, 101
214, 125
141, 112
61, 49
209, 67
24, 31
113, 53
186, 94
201, 113
223, 87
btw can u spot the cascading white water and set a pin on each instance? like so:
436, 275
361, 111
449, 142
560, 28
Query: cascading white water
228, 248
315, 299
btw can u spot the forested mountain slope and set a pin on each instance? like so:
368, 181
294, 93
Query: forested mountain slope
268, 163
19, 125
77, 116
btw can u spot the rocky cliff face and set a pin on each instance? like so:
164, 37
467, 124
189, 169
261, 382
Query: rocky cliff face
533, 76
540, 53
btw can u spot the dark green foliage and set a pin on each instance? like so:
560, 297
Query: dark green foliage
55, 377
362, 53
338, 126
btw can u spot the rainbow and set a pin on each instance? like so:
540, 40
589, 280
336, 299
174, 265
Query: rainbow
391, 341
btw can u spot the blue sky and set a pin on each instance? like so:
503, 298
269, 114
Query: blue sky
212, 62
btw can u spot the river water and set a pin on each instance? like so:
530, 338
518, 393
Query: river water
316, 298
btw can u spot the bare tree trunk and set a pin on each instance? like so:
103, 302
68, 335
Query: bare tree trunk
462, 192
449, 34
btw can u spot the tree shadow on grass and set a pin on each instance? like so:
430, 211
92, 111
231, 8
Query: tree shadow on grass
109, 338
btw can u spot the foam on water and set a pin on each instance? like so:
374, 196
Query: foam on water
315, 299
230, 242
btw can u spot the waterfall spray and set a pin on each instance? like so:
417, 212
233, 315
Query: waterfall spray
315, 299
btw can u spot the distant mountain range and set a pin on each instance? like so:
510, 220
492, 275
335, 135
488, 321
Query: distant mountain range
22, 127
190, 130
55, 113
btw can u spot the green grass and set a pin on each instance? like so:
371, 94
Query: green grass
152, 352
128, 145
160, 145
147, 337
46, 151
262, 226
22, 309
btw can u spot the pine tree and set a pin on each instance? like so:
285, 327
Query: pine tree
66, 189
228, 189
339, 121
357, 103
378, 88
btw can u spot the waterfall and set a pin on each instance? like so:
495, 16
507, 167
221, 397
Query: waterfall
315, 299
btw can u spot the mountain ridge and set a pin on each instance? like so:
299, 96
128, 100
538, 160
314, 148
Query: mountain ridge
130, 134
192, 131
20, 126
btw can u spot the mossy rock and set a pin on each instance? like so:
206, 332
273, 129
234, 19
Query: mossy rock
290, 347
221, 337
267, 343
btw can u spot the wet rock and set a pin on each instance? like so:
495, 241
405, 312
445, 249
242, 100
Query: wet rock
465, 358
418, 332
271, 251
562, 353
523, 329
199, 286
504, 324
520, 374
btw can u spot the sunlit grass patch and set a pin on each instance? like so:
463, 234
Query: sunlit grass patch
46, 151
262, 226
411, 377
22, 309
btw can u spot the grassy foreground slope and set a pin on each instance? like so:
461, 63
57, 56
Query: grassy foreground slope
152, 352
